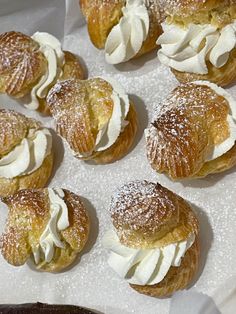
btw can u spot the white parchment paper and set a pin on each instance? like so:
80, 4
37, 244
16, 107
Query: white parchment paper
91, 282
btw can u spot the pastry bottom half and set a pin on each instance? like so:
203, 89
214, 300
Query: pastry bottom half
177, 278
35, 180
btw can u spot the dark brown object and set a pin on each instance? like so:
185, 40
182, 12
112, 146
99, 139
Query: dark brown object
37, 308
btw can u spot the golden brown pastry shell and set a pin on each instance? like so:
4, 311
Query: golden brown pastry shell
184, 12
194, 119
21, 64
101, 17
154, 219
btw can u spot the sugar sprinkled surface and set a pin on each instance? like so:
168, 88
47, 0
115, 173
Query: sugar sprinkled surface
91, 282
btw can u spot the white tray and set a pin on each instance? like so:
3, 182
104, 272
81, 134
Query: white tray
91, 282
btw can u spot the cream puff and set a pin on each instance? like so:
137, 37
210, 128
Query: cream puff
154, 244
199, 40
48, 226
26, 158
194, 132
95, 117
124, 29
31, 65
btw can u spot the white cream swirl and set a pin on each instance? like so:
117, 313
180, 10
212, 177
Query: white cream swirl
58, 221
28, 156
50, 46
144, 266
225, 146
188, 49
126, 38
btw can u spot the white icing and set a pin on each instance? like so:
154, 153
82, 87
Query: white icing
188, 49
28, 156
126, 38
58, 221
51, 48
225, 146
144, 266
110, 132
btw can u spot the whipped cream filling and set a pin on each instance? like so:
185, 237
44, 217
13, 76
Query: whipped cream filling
50, 46
188, 49
144, 266
58, 221
110, 132
28, 156
224, 147
127, 37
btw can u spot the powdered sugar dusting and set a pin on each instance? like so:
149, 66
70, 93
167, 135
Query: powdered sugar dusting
91, 282
141, 205
21, 63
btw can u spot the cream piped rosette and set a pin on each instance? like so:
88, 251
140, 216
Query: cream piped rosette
156, 235
126, 38
189, 49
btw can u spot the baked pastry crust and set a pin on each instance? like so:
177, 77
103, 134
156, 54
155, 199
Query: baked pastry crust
22, 65
218, 13
14, 127
80, 108
193, 120
29, 213
147, 215
103, 15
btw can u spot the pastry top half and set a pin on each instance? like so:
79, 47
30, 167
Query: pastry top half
24, 145
49, 226
194, 132
125, 29
155, 244
31, 65
147, 215
94, 116
217, 12
21, 63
